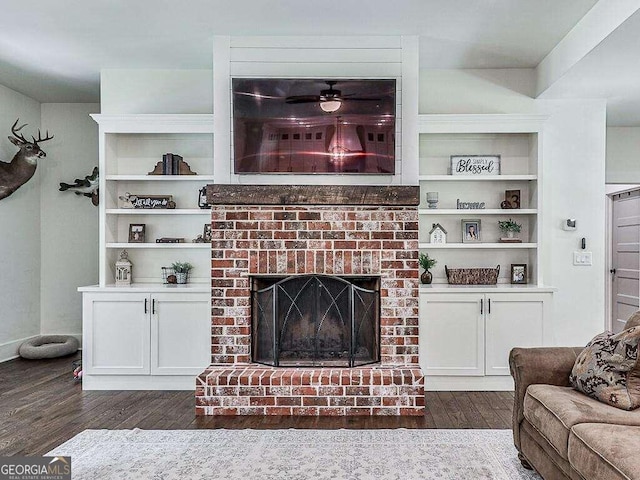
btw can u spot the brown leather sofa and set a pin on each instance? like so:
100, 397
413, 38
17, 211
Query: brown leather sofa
562, 433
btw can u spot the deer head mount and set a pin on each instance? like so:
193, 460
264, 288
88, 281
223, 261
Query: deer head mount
23, 165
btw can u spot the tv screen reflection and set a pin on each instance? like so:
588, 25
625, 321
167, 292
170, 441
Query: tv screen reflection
305, 126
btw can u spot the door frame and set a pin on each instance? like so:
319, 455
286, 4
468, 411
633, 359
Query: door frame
612, 190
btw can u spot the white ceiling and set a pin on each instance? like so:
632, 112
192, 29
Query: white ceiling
612, 71
54, 51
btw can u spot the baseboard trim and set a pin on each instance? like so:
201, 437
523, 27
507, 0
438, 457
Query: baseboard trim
502, 383
9, 350
138, 382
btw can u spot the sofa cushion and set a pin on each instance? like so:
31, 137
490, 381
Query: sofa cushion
605, 451
607, 369
553, 410
634, 321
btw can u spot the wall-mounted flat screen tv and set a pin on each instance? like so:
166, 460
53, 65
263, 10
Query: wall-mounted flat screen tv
308, 126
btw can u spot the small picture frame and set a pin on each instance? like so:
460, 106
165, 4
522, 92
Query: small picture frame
471, 230
206, 233
137, 232
518, 273
512, 199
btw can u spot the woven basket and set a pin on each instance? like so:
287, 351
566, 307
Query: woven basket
472, 276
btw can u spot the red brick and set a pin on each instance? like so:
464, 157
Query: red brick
278, 410
289, 401
315, 401
304, 411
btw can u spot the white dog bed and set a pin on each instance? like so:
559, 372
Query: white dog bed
49, 346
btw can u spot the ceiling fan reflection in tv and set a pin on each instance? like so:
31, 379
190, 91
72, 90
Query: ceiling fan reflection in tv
293, 125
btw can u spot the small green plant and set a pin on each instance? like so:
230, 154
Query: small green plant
509, 226
426, 262
181, 267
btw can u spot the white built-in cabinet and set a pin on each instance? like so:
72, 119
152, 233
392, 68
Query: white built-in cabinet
150, 335
145, 340
471, 334
466, 332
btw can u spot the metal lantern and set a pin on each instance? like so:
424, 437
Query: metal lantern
123, 269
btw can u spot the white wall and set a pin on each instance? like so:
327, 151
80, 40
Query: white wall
69, 223
156, 91
19, 233
623, 155
574, 182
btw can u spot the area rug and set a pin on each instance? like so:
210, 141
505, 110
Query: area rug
294, 454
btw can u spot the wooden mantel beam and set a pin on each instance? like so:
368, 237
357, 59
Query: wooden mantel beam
370, 195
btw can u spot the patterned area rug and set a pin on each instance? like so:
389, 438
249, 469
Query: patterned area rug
294, 454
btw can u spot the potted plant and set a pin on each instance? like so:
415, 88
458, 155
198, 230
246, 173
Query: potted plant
427, 263
509, 227
181, 269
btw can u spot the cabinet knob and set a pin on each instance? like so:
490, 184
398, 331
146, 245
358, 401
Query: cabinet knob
145, 305
481, 306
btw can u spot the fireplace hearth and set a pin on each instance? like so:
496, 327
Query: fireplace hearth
315, 321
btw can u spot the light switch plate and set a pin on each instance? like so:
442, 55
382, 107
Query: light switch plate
583, 258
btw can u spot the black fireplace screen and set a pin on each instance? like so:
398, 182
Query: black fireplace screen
315, 320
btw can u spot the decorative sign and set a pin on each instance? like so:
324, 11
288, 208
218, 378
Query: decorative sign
511, 199
469, 205
147, 201
475, 165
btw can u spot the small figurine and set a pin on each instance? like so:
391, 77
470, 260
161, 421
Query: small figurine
127, 200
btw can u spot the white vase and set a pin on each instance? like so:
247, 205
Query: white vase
511, 234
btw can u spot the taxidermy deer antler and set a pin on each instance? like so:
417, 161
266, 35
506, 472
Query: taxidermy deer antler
23, 165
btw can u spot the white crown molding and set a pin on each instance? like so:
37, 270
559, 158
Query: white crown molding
155, 123
481, 123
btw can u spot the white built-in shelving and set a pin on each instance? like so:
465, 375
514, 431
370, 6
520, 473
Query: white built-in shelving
518, 141
130, 147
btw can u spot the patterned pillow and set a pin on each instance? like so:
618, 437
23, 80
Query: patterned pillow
608, 369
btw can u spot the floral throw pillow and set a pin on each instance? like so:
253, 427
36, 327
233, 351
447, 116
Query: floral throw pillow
608, 369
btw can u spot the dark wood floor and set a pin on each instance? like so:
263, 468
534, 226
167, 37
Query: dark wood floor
41, 406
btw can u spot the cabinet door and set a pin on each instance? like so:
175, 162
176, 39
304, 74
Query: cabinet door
180, 333
115, 333
513, 320
451, 334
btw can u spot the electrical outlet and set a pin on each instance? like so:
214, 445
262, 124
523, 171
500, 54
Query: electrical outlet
582, 259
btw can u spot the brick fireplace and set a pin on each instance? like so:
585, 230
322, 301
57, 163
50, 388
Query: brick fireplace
359, 232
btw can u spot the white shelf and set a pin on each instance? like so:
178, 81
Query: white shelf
189, 245
160, 178
478, 178
473, 212
157, 211
473, 246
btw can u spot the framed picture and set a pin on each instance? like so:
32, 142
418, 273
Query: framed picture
512, 199
471, 230
475, 165
518, 273
206, 233
136, 232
